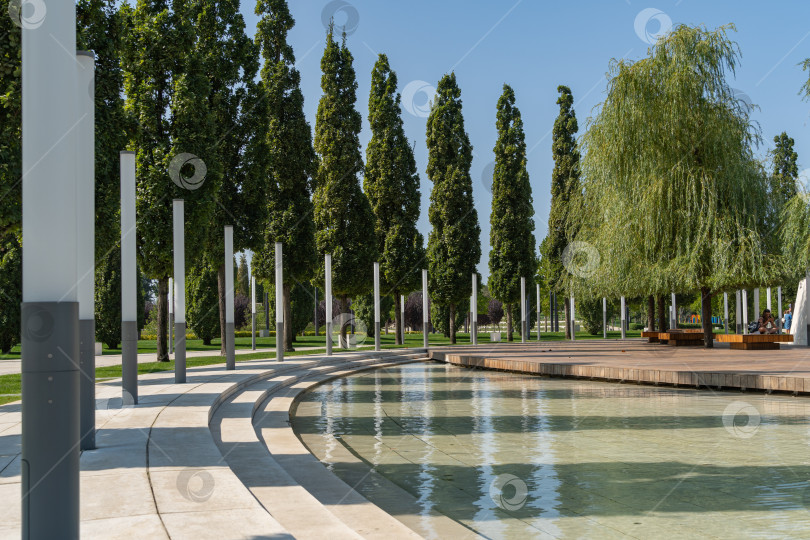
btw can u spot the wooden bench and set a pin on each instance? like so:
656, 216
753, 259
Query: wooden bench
754, 342
679, 338
655, 337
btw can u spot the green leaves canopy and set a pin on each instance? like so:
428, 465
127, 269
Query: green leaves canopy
673, 197
512, 224
343, 216
454, 244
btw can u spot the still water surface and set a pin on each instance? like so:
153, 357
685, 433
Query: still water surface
511, 456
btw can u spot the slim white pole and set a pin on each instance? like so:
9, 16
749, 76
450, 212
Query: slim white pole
129, 280
328, 300
624, 318
425, 312
604, 318
376, 306
768, 297
674, 312
171, 315
50, 308
745, 310
253, 312
474, 310
179, 223
538, 312
230, 331
86, 240
756, 303
402, 317
725, 310
280, 334
523, 324
573, 321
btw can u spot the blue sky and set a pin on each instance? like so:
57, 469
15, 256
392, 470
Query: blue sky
535, 46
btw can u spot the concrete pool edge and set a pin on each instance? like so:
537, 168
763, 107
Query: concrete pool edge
686, 378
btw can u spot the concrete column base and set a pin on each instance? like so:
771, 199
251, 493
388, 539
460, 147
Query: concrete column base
87, 382
51, 419
230, 346
179, 352
377, 336
328, 338
474, 332
129, 362
279, 341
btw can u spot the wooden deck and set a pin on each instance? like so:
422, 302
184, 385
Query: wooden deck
633, 360
754, 342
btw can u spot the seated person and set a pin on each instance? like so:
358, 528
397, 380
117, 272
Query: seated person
767, 325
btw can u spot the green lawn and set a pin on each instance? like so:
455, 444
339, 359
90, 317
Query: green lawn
10, 384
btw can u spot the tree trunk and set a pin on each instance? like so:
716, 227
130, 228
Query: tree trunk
288, 329
399, 337
509, 322
221, 290
452, 324
651, 313
163, 320
567, 309
706, 317
662, 314
345, 322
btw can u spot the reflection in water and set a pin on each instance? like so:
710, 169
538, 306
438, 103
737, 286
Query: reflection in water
512, 456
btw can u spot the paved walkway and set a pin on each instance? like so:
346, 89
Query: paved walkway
158, 471
635, 360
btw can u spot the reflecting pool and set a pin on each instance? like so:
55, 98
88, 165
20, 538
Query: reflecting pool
512, 456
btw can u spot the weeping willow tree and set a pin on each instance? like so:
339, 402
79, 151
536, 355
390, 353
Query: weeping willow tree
673, 198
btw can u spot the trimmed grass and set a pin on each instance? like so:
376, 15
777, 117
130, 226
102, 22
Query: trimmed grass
10, 384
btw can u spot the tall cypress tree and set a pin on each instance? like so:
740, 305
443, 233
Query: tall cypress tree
564, 185
167, 91
392, 186
785, 170
231, 58
454, 244
512, 224
344, 220
289, 159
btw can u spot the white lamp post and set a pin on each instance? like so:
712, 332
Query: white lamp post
523, 323
425, 314
402, 317
171, 316
50, 303
279, 305
604, 318
573, 321
129, 283
179, 291
328, 302
230, 331
623, 316
86, 240
474, 311
538, 312
253, 312
376, 306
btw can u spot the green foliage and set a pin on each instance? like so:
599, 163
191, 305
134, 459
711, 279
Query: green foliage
242, 285
565, 186
674, 198
440, 318
454, 244
108, 299
11, 280
512, 224
392, 185
286, 156
10, 126
363, 307
202, 309
343, 217
516, 315
302, 304
785, 170
100, 28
